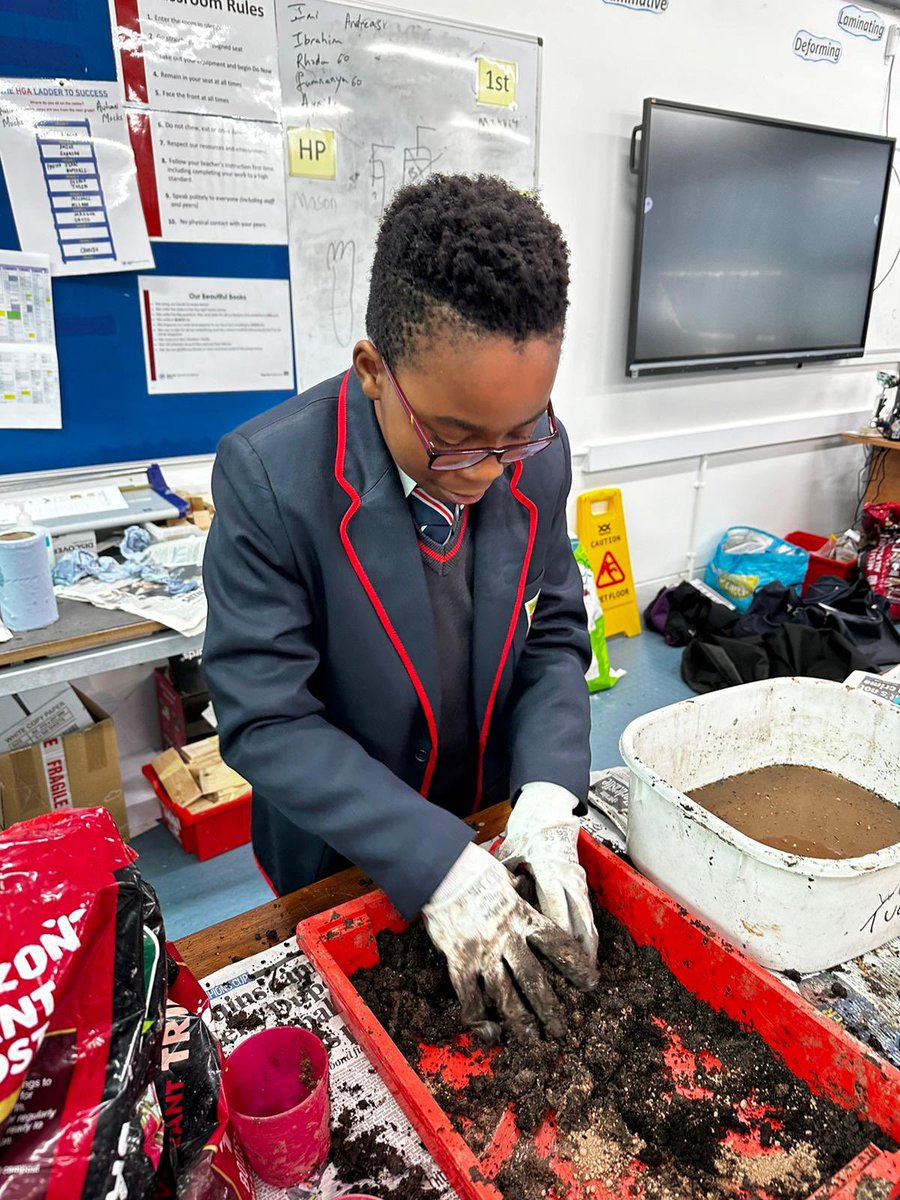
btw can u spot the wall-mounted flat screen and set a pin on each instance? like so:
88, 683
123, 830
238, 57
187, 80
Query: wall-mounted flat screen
756, 242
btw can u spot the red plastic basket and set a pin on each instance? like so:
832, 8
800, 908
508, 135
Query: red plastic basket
342, 941
205, 834
819, 565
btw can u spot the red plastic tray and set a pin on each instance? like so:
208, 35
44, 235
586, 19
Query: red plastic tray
205, 834
816, 1050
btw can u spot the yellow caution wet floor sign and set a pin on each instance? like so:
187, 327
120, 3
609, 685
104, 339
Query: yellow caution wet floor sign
600, 521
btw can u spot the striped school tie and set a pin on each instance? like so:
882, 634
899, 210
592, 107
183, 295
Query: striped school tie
433, 518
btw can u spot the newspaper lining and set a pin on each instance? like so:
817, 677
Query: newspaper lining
185, 613
280, 986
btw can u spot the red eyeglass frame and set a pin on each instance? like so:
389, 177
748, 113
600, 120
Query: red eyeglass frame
532, 447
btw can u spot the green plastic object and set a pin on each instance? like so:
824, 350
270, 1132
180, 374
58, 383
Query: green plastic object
598, 676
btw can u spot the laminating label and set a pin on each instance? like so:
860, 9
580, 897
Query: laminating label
861, 22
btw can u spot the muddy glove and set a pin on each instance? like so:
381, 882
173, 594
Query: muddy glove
542, 837
486, 930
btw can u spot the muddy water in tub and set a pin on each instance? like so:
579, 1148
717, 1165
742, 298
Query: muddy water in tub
804, 810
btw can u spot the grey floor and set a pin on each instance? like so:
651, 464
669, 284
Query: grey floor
194, 894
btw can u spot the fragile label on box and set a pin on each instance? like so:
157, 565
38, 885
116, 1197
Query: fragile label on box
53, 756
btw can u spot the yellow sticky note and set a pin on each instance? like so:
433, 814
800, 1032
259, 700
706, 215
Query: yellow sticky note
497, 82
311, 153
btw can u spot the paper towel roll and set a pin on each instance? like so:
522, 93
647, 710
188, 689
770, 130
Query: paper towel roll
26, 589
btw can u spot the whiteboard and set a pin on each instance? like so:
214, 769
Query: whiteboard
397, 97
884, 318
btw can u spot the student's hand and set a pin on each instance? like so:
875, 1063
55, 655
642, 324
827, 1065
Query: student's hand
542, 837
486, 931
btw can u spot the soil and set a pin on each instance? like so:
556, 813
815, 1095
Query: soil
369, 1155
618, 1111
804, 810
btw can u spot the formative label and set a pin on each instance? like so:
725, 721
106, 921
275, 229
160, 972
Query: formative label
654, 6
813, 48
861, 22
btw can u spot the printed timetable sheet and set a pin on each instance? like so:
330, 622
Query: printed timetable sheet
29, 371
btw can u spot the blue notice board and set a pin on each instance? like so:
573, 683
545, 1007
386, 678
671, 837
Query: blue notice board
107, 415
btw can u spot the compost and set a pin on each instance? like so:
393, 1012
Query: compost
648, 1088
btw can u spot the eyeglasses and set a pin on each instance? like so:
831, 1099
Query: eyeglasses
459, 460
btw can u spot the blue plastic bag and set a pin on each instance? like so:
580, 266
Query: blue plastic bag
746, 559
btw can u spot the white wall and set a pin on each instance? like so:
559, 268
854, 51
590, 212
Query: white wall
599, 63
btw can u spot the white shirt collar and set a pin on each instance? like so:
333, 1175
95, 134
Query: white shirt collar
408, 484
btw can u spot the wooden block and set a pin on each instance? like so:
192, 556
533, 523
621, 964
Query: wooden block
230, 794
202, 519
214, 799
177, 780
218, 778
207, 748
204, 804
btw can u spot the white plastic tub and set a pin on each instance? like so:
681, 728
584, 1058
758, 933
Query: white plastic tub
786, 911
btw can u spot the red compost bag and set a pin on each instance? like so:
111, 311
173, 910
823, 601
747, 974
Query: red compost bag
98, 1026
202, 1160
81, 994
881, 564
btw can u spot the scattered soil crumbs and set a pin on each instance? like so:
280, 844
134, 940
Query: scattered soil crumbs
651, 1088
368, 1155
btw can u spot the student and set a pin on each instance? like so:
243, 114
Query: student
397, 633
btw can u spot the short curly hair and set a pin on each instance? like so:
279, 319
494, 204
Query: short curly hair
465, 254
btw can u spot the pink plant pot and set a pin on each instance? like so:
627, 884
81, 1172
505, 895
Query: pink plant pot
276, 1085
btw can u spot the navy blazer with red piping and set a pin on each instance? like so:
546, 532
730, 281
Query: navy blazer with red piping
320, 653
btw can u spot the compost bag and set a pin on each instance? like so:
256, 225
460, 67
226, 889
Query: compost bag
881, 563
86, 1037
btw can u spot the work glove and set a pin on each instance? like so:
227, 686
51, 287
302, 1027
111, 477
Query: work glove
542, 838
486, 931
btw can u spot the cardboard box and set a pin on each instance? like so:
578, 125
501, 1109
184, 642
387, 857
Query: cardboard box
78, 770
42, 713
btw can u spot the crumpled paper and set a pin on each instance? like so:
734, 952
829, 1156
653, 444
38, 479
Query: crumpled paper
82, 564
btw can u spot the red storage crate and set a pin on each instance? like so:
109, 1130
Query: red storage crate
819, 565
342, 941
205, 834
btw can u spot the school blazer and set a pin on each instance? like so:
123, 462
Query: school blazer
320, 653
